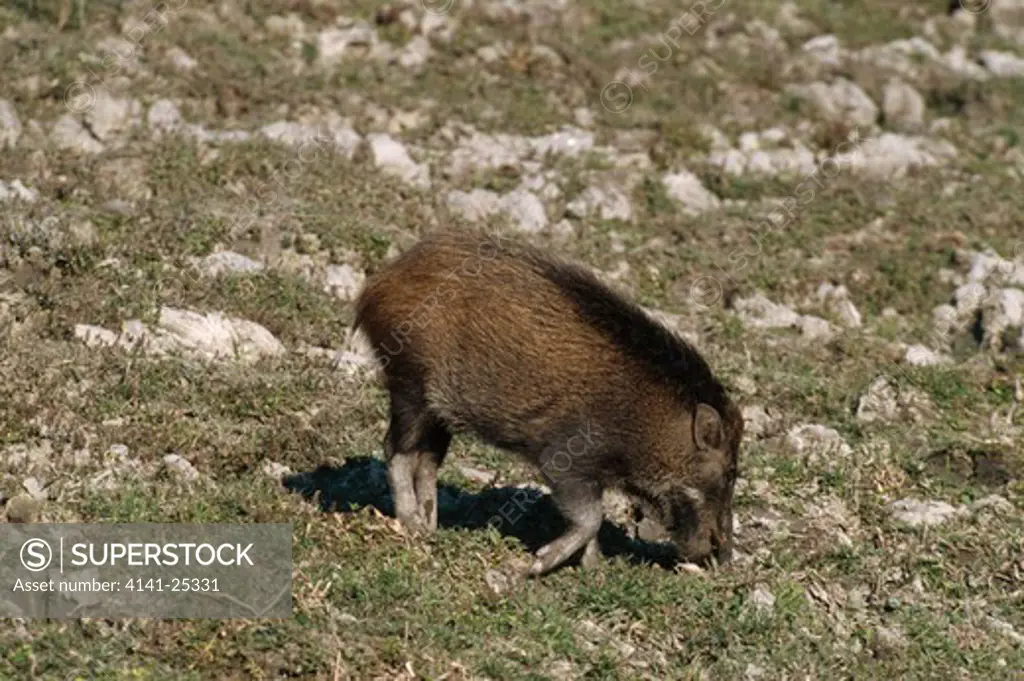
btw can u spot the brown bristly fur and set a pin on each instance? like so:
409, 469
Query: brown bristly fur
533, 354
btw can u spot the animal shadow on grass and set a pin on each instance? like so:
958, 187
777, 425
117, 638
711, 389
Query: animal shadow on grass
527, 514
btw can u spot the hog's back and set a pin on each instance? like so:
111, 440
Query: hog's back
498, 347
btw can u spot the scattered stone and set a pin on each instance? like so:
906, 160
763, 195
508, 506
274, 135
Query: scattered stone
275, 470
95, 336
227, 262
391, 157
789, 20
335, 44
110, 116
34, 488
815, 328
685, 188
879, 403
1003, 64
289, 26
16, 191
890, 155
416, 53
525, 210
825, 49
995, 502
1007, 18
1005, 628
757, 422
164, 117
920, 356
837, 298
180, 60
902, 105
1002, 316
603, 200
69, 133
916, 513
474, 205
762, 599
798, 160
760, 312
10, 125
23, 508
840, 101
344, 281
817, 442
205, 337
180, 467
888, 642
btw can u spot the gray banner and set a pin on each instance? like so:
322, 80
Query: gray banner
214, 571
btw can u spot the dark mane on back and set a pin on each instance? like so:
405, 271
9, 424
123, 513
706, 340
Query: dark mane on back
668, 358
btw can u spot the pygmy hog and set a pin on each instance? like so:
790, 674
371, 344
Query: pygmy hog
535, 355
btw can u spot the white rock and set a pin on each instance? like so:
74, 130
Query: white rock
769, 162
825, 49
69, 133
1001, 312
164, 117
918, 513
94, 336
110, 116
290, 133
180, 467
181, 61
335, 133
344, 281
990, 267
890, 155
570, 141
10, 125
230, 262
685, 188
760, 312
920, 356
333, 43
17, 191
879, 403
206, 337
290, 26
756, 421
815, 328
275, 470
967, 299
346, 139
815, 441
837, 298
996, 502
1003, 64
391, 157
603, 200
762, 599
841, 100
1007, 18
525, 210
474, 205
902, 104
487, 152
416, 53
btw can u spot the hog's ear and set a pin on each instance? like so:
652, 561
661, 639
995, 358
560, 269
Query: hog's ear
707, 428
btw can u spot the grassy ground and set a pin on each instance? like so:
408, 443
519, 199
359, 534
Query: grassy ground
853, 594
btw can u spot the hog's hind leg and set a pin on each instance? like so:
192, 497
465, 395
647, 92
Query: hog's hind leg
414, 447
